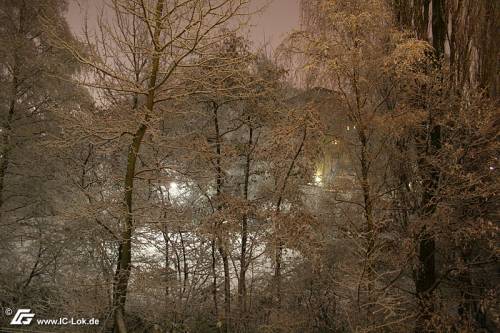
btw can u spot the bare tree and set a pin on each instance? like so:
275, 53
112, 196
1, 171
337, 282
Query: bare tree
139, 51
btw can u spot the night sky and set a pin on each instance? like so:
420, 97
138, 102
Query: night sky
278, 18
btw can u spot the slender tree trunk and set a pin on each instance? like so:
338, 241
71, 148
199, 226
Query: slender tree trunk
219, 237
277, 271
185, 264
242, 289
122, 273
368, 212
179, 279
166, 239
214, 279
227, 288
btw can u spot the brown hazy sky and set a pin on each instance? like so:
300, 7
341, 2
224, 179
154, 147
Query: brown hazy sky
278, 18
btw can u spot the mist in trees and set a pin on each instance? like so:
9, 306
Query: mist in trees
162, 173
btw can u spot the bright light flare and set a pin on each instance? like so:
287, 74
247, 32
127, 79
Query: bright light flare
174, 189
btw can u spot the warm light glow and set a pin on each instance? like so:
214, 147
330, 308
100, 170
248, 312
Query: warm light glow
174, 189
318, 179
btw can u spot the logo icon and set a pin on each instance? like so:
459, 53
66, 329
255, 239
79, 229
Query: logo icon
22, 317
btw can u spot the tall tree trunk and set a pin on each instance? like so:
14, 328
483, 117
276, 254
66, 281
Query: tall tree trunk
426, 279
122, 273
222, 248
242, 289
368, 212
